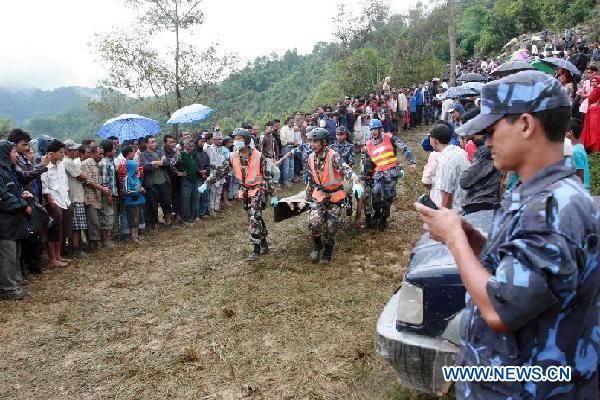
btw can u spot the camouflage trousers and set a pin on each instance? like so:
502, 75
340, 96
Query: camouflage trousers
383, 193
324, 220
254, 207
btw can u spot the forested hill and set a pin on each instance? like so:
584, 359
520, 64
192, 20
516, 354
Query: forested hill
369, 45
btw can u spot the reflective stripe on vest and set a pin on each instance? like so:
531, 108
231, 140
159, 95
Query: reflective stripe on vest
329, 179
382, 154
253, 176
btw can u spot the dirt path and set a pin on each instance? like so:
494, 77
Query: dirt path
181, 316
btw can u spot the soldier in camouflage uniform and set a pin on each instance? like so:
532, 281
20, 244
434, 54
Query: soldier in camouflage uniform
342, 147
346, 152
532, 285
250, 168
380, 170
325, 194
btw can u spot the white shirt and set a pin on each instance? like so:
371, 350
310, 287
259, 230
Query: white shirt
450, 165
446, 105
56, 184
286, 134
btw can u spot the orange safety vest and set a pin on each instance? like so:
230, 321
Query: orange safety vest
253, 178
382, 154
329, 181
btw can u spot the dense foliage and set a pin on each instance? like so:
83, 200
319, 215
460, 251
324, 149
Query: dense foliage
370, 45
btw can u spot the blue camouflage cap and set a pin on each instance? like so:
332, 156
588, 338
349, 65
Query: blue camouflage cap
523, 92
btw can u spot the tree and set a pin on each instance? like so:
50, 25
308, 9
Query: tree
180, 75
452, 40
5, 128
354, 30
361, 73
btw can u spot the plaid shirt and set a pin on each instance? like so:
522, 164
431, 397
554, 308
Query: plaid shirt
108, 175
92, 196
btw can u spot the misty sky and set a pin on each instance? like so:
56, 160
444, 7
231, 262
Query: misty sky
44, 44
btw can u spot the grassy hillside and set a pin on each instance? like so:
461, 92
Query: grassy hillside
409, 48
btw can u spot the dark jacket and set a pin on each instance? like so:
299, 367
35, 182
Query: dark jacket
29, 175
481, 180
149, 169
203, 162
13, 220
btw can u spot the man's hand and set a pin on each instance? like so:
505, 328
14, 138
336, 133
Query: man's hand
83, 176
27, 195
109, 199
28, 210
182, 174
413, 167
443, 225
45, 160
51, 202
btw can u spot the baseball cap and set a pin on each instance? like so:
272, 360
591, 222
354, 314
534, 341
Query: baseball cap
523, 92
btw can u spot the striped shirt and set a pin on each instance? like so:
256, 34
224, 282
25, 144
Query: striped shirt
450, 165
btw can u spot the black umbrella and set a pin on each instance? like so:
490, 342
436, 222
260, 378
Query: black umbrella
511, 67
556, 62
471, 77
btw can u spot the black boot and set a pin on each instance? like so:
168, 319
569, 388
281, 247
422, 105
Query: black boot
369, 222
327, 253
315, 254
264, 247
255, 253
382, 224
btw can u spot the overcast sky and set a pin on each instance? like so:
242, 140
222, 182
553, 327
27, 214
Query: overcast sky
44, 44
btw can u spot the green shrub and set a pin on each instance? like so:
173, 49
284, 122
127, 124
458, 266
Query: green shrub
594, 160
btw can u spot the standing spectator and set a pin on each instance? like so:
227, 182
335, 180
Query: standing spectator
269, 148
451, 164
134, 198
289, 143
580, 157
93, 192
175, 173
189, 183
590, 136
14, 212
76, 178
428, 178
203, 164
217, 158
585, 89
386, 87
157, 184
412, 101
55, 188
481, 180
402, 110
108, 177
29, 176
446, 106
419, 101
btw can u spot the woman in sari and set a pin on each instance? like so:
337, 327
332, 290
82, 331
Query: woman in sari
590, 137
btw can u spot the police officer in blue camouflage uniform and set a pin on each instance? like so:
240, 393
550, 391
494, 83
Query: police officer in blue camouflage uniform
342, 147
381, 172
532, 285
346, 152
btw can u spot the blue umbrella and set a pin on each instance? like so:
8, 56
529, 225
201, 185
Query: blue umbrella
191, 113
129, 127
556, 62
